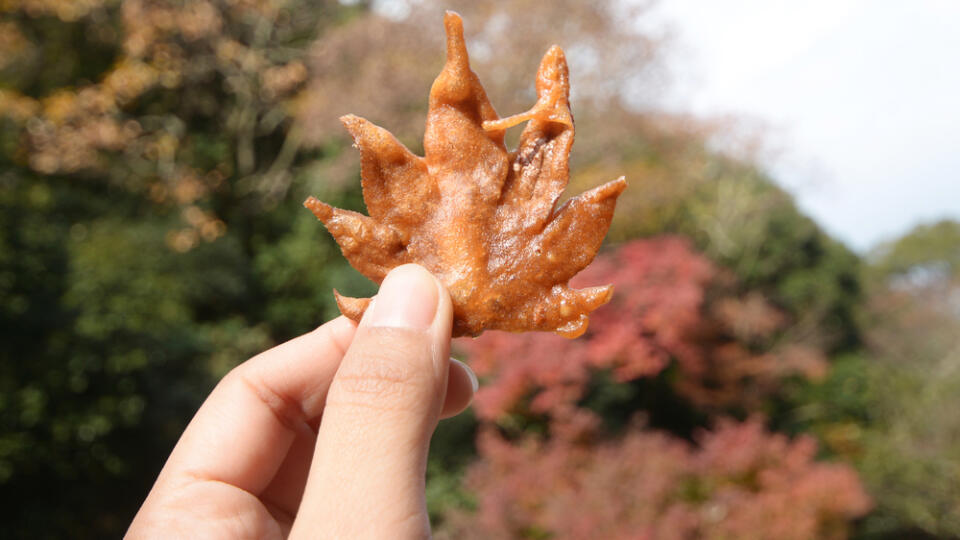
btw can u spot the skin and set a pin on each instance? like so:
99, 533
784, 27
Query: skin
325, 436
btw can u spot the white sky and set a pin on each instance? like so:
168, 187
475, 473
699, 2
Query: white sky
864, 95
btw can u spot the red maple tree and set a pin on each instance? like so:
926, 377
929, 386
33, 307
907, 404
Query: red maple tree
671, 304
738, 481
573, 480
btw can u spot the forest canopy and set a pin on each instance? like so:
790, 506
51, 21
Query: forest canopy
752, 378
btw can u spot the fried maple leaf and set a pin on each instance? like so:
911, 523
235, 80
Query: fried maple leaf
483, 220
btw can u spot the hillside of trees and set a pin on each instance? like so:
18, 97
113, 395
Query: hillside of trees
752, 378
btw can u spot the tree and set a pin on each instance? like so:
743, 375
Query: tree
883, 408
738, 481
147, 151
921, 256
673, 309
562, 452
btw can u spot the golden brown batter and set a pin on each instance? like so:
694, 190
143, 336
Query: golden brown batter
483, 220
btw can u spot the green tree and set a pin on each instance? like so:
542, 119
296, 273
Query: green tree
885, 408
151, 235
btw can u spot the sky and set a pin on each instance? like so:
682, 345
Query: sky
860, 97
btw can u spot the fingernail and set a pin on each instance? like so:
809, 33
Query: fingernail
407, 299
474, 383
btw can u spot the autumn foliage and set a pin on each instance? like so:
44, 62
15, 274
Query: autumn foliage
671, 305
153, 157
576, 480
738, 481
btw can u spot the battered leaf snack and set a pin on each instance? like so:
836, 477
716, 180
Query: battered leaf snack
481, 219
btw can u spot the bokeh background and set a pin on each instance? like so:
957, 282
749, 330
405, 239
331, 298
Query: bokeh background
754, 377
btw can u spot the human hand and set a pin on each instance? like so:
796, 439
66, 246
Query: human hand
325, 436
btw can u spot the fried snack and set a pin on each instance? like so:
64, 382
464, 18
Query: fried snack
480, 218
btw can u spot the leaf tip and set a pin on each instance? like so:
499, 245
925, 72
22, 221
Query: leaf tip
350, 120
351, 308
575, 328
322, 210
456, 46
613, 188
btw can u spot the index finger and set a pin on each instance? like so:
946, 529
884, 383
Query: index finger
243, 431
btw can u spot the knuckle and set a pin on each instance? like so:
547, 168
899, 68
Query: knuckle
287, 412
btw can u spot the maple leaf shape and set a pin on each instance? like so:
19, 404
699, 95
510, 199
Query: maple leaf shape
483, 220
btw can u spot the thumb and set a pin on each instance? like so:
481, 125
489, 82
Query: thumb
367, 475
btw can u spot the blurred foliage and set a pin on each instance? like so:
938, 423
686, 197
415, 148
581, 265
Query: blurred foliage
673, 308
153, 157
737, 216
888, 409
739, 481
150, 235
548, 449
926, 253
